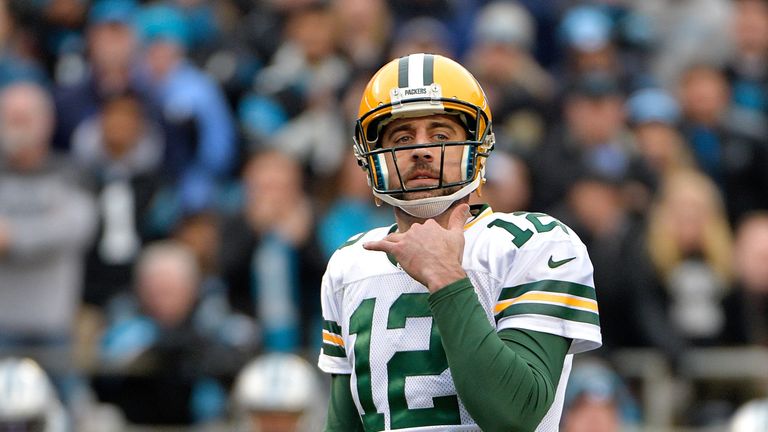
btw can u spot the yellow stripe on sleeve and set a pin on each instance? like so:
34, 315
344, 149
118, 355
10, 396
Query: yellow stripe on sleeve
333, 339
544, 297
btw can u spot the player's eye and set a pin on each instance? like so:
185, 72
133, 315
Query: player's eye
402, 139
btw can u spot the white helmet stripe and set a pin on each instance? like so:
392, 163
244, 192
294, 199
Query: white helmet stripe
416, 70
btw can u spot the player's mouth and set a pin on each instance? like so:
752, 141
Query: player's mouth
422, 178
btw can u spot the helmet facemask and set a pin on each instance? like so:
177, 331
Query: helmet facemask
373, 157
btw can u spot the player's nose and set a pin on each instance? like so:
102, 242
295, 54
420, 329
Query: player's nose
429, 153
422, 154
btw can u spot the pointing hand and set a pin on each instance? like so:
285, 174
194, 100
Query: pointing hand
428, 252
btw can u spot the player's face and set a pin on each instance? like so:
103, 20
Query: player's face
420, 167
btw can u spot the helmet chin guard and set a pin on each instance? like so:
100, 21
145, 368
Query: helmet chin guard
426, 208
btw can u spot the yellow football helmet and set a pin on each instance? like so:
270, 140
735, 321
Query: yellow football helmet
419, 85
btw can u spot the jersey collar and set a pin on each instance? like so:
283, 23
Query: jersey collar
478, 211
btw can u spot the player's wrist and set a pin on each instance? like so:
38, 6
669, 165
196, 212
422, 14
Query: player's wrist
444, 279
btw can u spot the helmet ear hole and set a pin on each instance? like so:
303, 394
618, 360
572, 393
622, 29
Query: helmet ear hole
465, 123
372, 132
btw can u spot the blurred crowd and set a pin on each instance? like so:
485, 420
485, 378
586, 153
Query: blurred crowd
174, 175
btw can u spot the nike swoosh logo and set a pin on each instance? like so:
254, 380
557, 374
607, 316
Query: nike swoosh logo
555, 264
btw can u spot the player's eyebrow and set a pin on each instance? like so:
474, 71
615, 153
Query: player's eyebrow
408, 127
438, 123
433, 124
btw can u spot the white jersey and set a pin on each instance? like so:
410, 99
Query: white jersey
529, 272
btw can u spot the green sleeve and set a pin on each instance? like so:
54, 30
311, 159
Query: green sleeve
506, 380
342, 413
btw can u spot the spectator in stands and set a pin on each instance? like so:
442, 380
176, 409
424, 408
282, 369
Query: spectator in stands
365, 30
166, 353
747, 69
250, 33
751, 291
704, 95
422, 34
203, 19
634, 309
112, 54
301, 84
728, 147
654, 116
46, 223
270, 259
200, 136
277, 392
57, 23
351, 210
200, 233
518, 88
444, 10
18, 61
121, 150
597, 400
685, 32
593, 138
508, 187
690, 242
587, 35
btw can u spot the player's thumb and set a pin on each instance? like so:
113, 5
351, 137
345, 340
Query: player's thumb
459, 217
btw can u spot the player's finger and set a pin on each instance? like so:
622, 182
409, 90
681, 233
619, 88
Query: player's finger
458, 217
394, 237
379, 245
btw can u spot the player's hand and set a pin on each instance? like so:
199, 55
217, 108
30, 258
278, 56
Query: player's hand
428, 252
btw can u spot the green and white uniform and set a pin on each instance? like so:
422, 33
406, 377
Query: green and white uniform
528, 272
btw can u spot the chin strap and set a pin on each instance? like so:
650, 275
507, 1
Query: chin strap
425, 208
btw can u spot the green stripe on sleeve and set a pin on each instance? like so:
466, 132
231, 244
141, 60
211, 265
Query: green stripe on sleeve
332, 327
549, 310
334, 351
553, 286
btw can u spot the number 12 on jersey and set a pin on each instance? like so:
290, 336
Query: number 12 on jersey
402, 364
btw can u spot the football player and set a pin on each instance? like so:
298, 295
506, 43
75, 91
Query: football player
454, 318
